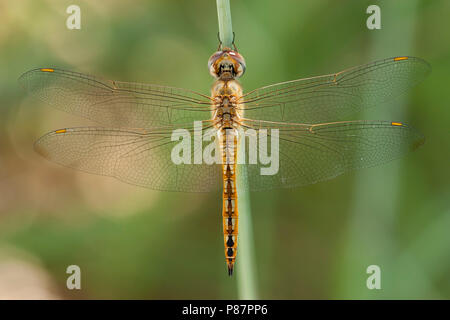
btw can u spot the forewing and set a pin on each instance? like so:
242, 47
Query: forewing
114, 103
335, 96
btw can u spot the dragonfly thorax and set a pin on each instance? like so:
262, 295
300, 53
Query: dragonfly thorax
227, 108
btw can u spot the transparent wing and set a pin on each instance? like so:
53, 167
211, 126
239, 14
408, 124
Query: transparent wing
135, 157
333, 97
306, 154
114, 103
313, 153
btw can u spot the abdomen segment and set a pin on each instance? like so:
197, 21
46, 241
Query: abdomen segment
229, 210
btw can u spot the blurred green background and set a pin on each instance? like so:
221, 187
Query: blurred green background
312, 242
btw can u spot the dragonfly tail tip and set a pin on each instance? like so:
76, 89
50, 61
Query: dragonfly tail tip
230, 270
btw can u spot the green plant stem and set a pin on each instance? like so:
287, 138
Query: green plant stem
245, 265
245, 262
225, 27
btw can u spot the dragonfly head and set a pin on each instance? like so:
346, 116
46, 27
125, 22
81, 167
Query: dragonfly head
226, 64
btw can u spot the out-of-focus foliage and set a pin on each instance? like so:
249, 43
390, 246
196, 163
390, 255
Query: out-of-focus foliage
312, 242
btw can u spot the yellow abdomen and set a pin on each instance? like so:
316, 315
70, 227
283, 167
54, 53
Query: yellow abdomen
226, 116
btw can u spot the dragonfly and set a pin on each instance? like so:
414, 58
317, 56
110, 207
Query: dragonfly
134, 140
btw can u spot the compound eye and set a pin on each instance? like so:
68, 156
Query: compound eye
213, 71
240, 70
225, 58
212, 63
